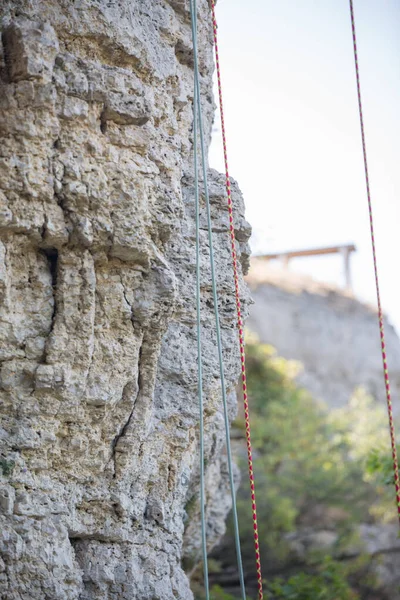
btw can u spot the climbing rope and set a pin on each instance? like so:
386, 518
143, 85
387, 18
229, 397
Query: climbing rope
197, 101
239, 314
199, 360
380, 312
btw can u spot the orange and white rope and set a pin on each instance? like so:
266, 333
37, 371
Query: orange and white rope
239, 315
378, 295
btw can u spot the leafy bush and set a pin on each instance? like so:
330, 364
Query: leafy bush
312, 467
329, 584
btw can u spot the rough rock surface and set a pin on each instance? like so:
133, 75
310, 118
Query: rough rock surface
98, 431
333, 335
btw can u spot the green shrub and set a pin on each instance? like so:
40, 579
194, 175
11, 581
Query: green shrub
307, 461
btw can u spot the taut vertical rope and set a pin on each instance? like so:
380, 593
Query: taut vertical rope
193, 12
199, 357
380, 313
239, 315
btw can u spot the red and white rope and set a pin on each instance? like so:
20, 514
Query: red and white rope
239, 316
380, 312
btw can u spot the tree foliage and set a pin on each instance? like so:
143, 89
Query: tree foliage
313, 469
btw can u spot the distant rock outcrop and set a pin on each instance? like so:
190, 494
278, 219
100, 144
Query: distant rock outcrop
333, 335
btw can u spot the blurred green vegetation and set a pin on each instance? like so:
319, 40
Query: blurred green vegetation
315, 469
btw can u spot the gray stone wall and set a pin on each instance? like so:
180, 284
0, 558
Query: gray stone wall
98, 389
332, 333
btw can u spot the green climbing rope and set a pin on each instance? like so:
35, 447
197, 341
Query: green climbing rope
199, 358
198, 112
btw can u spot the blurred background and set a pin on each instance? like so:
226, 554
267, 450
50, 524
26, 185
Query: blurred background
322, 459
294, 137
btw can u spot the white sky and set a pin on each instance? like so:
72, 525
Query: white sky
293, 130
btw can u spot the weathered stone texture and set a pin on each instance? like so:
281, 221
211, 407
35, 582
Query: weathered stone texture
98, 432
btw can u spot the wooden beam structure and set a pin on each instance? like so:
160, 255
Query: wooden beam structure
345, 250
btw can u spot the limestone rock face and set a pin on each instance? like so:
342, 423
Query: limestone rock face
98, 379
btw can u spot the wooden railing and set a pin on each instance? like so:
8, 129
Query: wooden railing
344, 250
